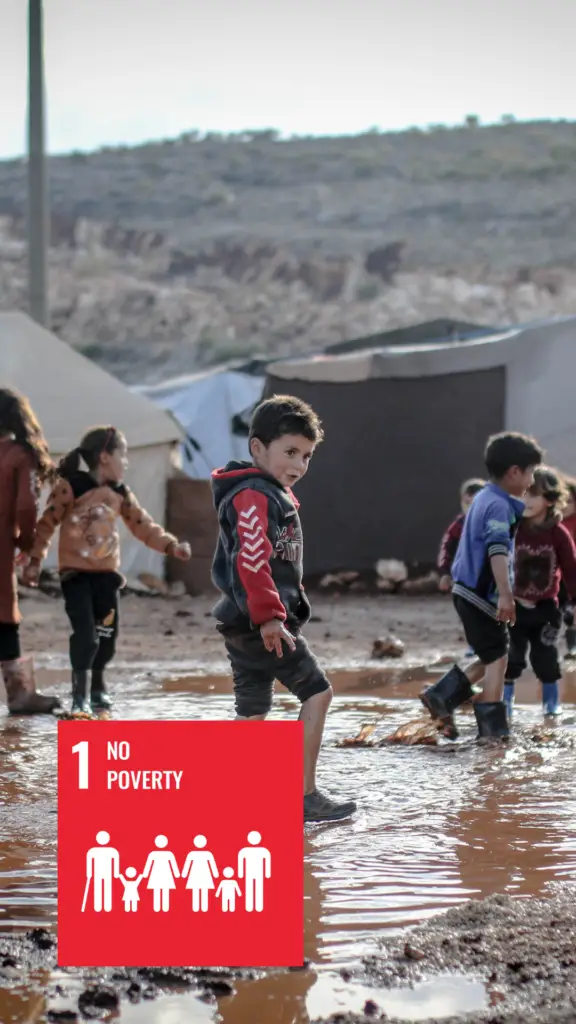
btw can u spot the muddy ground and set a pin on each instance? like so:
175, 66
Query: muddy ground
520, 953
343, 628
524, 951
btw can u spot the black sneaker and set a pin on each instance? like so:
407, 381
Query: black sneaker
319, 807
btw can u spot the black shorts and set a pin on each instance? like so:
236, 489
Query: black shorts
488, 638
255, 669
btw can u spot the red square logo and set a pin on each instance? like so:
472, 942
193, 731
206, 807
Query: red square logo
180, 844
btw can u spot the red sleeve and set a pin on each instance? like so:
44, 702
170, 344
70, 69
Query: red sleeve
449, 545
26, 502
253, 558
566, 554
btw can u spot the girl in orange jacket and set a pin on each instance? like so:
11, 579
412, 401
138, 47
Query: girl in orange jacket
88, 499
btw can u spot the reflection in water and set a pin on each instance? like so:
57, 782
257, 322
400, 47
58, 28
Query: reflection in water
445, 996
433, 829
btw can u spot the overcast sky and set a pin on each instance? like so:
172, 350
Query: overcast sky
129, 70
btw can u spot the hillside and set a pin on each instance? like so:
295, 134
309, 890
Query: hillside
184, 251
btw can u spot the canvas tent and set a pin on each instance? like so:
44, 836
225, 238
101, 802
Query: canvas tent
416, 334
406, 424
213, 407
70, 394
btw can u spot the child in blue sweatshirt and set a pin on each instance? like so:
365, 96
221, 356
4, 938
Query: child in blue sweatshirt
483, 587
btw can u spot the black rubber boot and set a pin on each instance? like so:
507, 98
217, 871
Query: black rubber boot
445, 696
492, 721
571, 642
80, 703
100, 699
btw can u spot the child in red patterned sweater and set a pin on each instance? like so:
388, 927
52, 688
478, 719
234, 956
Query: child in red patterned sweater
545, 556
569, 521
451, 538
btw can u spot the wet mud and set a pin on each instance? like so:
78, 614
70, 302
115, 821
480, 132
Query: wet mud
73, 994
516, 956
437, 826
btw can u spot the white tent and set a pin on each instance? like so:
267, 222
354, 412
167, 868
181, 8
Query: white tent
206, 404
70, 394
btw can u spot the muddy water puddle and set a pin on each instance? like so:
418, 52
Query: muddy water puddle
434, 828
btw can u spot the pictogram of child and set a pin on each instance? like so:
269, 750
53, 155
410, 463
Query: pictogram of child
131, 896
228, 889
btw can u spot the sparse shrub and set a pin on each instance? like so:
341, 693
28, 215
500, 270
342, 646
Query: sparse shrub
367, 290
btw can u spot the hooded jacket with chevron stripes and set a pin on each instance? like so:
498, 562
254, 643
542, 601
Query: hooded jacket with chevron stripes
258, 561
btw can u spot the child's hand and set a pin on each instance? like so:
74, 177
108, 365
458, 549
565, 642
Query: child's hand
274, 633
506, 609
182, 551
445, 584
31, 575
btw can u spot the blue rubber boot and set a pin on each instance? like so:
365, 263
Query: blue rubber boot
551, 699
509, 699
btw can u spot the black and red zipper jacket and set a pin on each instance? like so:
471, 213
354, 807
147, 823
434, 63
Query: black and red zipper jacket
258, 561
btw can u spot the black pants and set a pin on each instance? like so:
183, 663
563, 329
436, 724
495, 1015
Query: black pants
91, 601
9, 641
536, 629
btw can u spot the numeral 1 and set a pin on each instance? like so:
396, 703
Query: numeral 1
82, 750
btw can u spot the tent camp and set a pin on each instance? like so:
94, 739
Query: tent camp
70, 394
213, 407
406, 424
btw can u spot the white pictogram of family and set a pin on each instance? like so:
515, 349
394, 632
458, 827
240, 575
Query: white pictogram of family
161, 870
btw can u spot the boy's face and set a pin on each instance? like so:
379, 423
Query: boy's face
286, 458
570, 509
517, 481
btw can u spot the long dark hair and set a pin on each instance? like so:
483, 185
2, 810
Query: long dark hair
94, 444
18, 420
550, 484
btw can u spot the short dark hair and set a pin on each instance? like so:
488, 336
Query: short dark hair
550, 484
471, 487
503, 451
285, 414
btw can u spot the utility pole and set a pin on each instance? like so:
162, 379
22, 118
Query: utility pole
37, 212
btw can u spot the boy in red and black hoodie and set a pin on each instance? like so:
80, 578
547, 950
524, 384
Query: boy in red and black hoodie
258, 569
451, 538
545, 557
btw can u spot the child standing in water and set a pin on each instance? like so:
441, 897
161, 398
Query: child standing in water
88, 498
258, 570
483, 587
451, 538
25, 465
544, 556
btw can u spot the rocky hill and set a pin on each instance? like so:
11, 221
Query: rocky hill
179, 253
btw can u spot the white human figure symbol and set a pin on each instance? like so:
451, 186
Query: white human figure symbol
254, 864
161, 869
201, 869
102, 865
227, 890
131, 895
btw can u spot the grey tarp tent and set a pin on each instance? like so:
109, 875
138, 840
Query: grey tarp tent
406, 424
